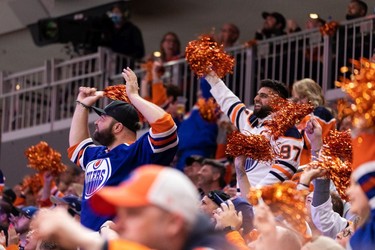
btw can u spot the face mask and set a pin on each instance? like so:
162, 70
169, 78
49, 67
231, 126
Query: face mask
116, 19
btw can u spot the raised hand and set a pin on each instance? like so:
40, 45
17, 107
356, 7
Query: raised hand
131, 82
313, 132
227, 216
88, 96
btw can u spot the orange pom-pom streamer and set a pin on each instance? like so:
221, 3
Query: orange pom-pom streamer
337, 170
42, 157
339, 144
361, 88
208, 109
204, 55
250, 43
329, 28
32, 183
257, 147
117, 92
286, 116
284, 200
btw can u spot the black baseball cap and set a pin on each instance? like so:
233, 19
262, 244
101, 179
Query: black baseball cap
193, 158
74, 202
123, 112
279, 18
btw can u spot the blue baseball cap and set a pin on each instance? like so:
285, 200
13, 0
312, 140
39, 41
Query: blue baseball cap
28, 211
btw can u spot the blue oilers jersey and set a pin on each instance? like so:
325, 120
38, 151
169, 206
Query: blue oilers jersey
109, 168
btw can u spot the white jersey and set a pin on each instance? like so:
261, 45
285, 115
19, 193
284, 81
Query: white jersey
289, 146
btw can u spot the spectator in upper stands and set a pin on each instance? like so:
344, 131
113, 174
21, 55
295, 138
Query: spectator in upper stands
123, 36
356, 9
312, 23
228, 36
274, 25
292, 26
170, 47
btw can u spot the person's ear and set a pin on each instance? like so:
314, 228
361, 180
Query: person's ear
118, 127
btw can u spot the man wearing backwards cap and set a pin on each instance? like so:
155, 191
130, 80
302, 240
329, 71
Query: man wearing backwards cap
274, 25
115, 130
156, 207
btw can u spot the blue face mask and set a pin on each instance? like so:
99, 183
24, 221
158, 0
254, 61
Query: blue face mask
116, 19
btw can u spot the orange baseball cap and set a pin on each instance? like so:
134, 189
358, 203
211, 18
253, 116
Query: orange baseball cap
164, 187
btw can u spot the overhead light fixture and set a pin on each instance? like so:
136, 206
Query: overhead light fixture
314, 16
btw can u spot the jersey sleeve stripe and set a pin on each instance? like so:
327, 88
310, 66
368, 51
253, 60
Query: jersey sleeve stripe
234, 113
159, 142
287, 164
277, 176
166, 133
171, 144
282, 170
232, 107
238, 116
75, 152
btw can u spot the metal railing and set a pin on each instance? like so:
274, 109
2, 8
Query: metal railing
42, 99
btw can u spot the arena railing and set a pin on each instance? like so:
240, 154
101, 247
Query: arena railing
42, 99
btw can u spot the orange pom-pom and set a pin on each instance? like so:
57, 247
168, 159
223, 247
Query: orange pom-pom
209, 109
286, 115
42, 157
32, 183
257, 147
337, 170
329, 28
117, 92
284, 200
204, 55
339, 144
250, 43
361, 88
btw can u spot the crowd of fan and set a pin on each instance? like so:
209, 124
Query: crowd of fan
158, 195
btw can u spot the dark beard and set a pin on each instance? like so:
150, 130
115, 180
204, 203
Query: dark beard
351, 17
105, 137
263, 112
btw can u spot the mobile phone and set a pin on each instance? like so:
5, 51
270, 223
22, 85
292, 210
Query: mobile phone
215, 198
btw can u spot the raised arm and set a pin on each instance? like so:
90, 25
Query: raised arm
79, 129
242, 180
229, 103
149, 110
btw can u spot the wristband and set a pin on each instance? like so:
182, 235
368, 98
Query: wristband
83, 105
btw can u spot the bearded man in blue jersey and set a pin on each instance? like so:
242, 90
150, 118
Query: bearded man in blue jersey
120, 151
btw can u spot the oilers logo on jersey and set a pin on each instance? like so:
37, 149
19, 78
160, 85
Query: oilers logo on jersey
97, 174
